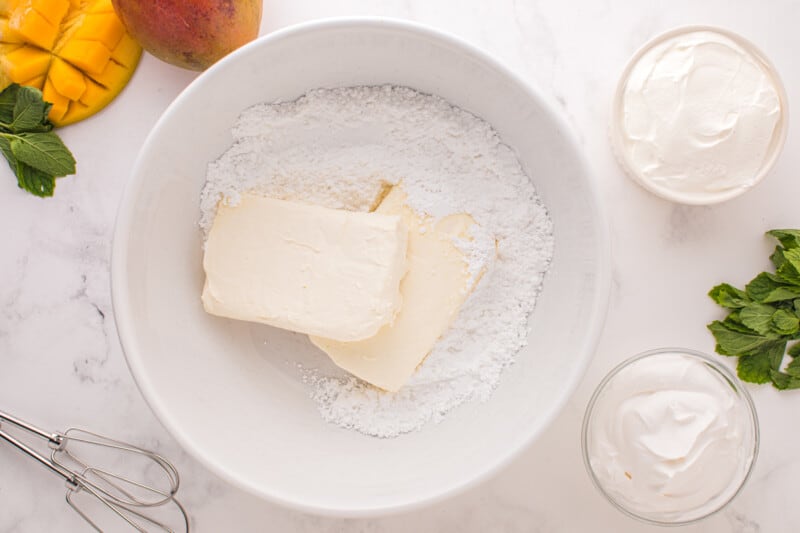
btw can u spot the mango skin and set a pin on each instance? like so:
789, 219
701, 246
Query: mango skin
192, 34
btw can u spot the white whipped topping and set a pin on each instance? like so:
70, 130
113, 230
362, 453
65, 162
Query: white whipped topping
699, 116
669, 438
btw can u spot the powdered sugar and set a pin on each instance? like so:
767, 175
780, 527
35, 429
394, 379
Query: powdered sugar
341, 148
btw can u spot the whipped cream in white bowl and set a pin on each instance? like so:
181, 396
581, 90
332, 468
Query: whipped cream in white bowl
670, 436
699, 116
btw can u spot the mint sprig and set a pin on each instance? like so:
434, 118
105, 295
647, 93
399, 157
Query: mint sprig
36, 155
764, 318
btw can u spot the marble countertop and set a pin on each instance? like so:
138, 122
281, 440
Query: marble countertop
61, 363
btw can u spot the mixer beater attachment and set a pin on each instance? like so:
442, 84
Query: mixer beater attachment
136, 503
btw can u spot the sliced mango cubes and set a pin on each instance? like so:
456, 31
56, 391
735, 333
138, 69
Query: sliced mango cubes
76, 51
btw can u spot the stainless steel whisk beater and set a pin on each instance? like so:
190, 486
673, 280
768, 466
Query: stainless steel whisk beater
132, 501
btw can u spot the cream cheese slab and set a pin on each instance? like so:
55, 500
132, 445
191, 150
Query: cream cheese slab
436, 285
305, 268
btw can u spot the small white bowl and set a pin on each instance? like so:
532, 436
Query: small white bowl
616, 135
236, 402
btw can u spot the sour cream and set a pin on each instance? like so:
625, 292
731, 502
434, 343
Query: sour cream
669, 438
699, 116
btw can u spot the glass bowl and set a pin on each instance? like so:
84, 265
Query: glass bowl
655, 444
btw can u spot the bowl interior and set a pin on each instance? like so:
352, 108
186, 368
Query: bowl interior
228, 391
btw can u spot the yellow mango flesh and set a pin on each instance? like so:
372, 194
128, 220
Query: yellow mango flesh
76, 51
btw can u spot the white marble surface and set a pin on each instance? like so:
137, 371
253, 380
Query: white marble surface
61, 363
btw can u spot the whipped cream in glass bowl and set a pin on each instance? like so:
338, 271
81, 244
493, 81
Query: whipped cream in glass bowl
699, 116
670, 436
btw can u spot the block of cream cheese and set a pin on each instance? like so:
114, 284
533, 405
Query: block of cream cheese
305, 268
436, 285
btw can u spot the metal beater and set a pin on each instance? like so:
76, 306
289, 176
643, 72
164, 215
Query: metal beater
134, 502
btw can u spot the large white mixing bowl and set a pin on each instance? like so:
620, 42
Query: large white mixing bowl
231, 399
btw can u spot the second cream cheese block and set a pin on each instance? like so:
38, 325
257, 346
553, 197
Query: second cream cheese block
305, 268
436, 285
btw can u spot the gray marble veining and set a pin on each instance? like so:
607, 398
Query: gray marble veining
61, 363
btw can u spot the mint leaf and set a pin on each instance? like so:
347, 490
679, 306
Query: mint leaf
790, 268
35, 181
764, 365
5, 148
768, 288
728, 296
782, 293
757, 317
43, 151
793, 368
36, 155
30, 112
783, 381
761, 286
774, 351
30, 179
8, 99
780, 380
785, 322
730, 342
789, 238
777, 257
734, 322
754, 368
794, 349
764, 318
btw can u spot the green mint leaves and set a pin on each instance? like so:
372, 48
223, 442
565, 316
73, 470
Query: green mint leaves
764, 318
36, 155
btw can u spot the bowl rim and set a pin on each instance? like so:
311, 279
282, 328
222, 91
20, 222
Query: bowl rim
716, 366
615, 128
124, 318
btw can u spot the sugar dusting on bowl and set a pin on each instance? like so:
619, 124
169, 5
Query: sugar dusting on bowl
341, 148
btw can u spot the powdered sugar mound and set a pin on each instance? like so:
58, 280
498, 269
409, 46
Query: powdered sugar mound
341, 148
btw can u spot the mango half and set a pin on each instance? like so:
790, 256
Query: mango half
76, 51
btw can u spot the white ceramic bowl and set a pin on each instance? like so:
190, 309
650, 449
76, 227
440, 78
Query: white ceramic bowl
233, 401
700, 197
